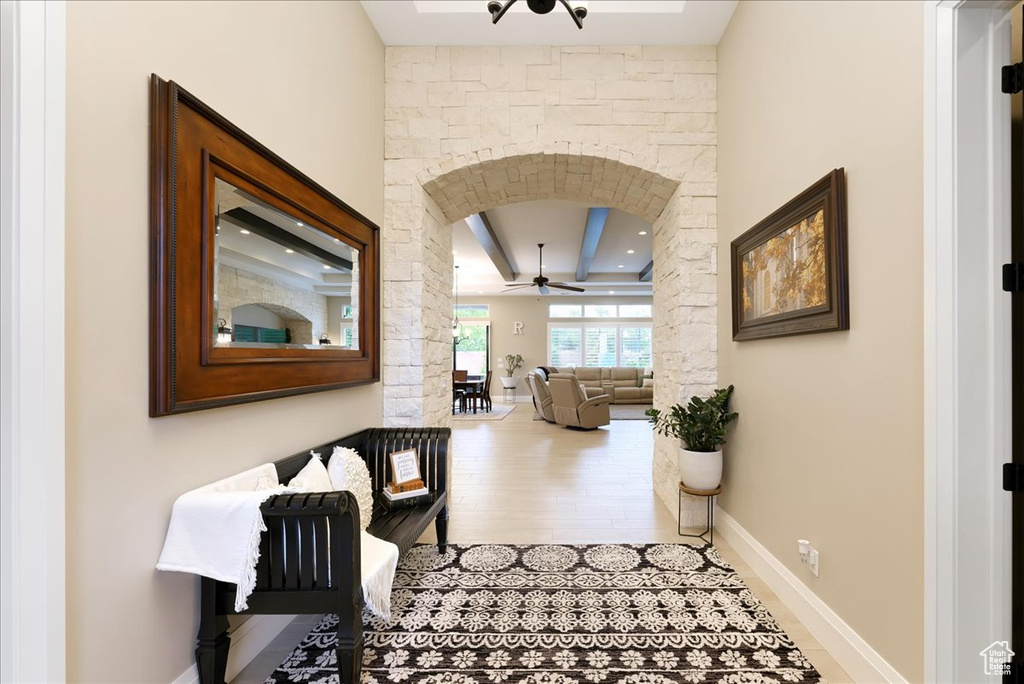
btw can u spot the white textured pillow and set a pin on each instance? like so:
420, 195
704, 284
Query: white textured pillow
313, 477
348, 472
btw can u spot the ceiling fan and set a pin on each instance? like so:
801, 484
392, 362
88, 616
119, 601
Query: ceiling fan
542, 283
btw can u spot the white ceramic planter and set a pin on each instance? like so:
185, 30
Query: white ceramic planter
509, 383
700, 469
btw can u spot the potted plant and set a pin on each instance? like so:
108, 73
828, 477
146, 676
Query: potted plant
513, 362
700, 427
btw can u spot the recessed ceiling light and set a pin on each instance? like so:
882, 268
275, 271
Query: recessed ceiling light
326, 267
244, 231
622, 266
629, 251
643, 232
289, 251
611, 291
337, 240
301, 224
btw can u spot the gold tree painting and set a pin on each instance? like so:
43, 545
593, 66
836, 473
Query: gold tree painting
787, 272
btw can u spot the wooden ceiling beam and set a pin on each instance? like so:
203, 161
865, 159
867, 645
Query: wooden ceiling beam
596, 219
481, 227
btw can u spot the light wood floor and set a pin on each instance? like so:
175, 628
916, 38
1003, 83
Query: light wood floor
519, 481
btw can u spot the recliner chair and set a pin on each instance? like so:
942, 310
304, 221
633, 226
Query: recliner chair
571, 406
541, 396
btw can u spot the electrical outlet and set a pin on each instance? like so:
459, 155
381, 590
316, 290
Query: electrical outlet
812, 560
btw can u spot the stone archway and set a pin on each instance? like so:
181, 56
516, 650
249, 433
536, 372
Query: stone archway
417, 268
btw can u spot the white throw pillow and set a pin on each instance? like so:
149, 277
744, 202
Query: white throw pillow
348, 472
313, 477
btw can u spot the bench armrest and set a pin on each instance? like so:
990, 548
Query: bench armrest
311, 542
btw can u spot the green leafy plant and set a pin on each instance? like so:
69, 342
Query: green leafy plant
700, 425
513, 362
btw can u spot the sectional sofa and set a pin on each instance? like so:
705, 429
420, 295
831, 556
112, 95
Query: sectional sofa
623, 385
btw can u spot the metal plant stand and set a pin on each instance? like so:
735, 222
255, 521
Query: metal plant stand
710, 495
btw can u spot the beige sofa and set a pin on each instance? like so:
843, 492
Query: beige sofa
623, 385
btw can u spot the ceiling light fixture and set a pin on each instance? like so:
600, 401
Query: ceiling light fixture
629, 251
457, 335
289, 251
326, 267
642, 232
498, 9
301, 224
244, 231
622, 266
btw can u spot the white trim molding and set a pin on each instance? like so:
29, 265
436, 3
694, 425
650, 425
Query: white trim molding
966, 335
32, 555
247, 641
853, 654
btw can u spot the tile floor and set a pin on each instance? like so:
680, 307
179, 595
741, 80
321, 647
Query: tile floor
519, 481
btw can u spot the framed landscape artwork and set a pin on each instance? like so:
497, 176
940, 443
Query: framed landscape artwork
789, 273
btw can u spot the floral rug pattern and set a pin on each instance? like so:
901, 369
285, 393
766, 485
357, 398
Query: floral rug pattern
563, 614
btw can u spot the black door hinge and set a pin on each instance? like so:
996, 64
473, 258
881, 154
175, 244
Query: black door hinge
1013, 477
1013, 277
1013, 78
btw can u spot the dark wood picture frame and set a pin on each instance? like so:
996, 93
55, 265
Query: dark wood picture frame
828, 196
191, 145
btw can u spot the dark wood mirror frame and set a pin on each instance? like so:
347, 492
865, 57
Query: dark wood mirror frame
191, 145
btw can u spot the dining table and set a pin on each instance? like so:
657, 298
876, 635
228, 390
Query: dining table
474, 386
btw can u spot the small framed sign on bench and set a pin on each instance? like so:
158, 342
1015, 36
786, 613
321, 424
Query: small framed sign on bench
405, 471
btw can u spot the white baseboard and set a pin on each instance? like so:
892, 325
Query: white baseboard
853, 654
247, 641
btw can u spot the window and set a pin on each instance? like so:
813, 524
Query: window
600, 311
635, 346
473, 311
565, 346
565, 311
599, 348
634, 311
473, 349
600, 344
347, 311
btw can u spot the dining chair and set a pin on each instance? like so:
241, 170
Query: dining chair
483, 393
459, 395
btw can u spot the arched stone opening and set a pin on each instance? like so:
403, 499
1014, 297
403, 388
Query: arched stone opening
299, 326
417, 268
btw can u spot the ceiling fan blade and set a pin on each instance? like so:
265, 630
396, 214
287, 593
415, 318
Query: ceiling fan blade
543, 289
563, 286
520, 286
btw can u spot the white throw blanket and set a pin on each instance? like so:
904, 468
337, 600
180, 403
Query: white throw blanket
378, 560
215, 530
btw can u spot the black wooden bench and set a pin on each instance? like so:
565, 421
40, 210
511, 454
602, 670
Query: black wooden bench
310, 557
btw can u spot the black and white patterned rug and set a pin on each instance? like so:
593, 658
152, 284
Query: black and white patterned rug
563, 614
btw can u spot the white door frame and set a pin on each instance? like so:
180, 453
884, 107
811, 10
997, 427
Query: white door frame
966, 336
32, 565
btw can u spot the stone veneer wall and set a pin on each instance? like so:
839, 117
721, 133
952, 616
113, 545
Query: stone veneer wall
471, 128
236, 287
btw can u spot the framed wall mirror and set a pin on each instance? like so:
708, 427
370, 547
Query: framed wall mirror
263, 283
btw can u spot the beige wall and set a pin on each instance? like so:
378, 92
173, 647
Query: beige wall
829, 442
533, 343
307, 80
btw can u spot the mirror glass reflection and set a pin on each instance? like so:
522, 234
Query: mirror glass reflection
278, 282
